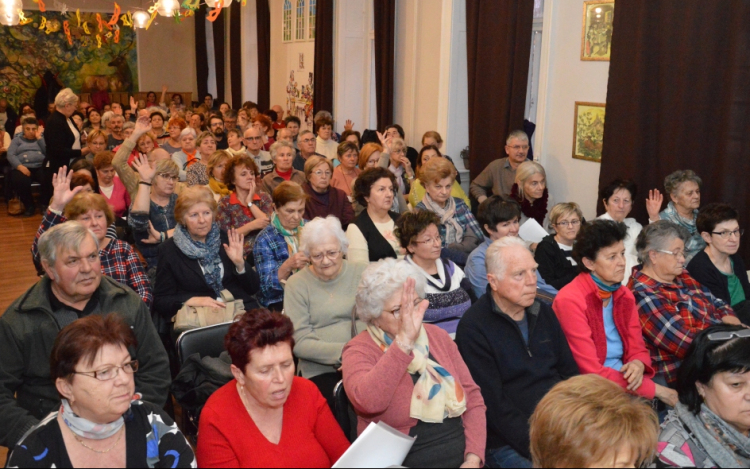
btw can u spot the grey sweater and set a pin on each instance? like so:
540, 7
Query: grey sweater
30, 153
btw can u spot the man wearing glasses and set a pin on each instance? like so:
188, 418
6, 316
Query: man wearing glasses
72, 288
254, 144
500, 175
306, 144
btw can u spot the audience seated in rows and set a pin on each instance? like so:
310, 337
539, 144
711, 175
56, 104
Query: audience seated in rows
216, 127
531, 193
417, 192
432, 138
197, 174
499, 176
215, 169
306, 147
515, 349
617, 198
254, 144
347, 171
175, 126
235, 140
26, 155
282, 154
395, 132
325, 145
188, 153
554, 254
323, 198
400, 166
410, 375
110, 186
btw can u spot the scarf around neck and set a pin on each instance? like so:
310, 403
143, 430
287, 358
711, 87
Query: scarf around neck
675, 217
454, 232
605, 291
290, 236
85, 428
218, 187
537, 211
726, 446
437, 395
207, 254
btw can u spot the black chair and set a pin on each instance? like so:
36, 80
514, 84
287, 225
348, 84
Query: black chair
206, 341
345, 415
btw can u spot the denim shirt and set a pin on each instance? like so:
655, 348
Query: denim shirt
163, 220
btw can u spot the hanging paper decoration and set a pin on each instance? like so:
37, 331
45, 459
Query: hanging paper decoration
127, 19
100, 21
244, 3
189, 13
42, 6
115, 17
63, 9
43, 24
22, 18
151, 20
78, 15
86, 28
214, 14
177, 17
117, 36
66, 28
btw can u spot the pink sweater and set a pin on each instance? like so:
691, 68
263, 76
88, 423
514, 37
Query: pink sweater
380, 388
120, 200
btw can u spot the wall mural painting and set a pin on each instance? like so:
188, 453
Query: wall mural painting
98, 60
299, 100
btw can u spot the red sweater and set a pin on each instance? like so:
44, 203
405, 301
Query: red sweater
581, 314
380, 388
310, 436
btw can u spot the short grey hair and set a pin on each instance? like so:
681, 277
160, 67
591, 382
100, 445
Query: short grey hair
517, 135
494, 259
106, 118
673, 182
303, 133
67, 236
274, 150
128, 125
188, 131
318, 230
656, 236
379, 282
323, 115
65, 97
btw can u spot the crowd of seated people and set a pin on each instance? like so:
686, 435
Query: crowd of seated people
360, 266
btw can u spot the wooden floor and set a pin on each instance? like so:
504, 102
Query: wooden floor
17, 272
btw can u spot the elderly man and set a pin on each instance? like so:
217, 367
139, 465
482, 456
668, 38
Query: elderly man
306, 146
254, 144
515, 349
230, 120
279, 123
114, 125
500, 175
72, 288
284, 134
216, 126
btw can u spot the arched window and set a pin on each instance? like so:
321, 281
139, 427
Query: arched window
311, 19
287, 20
300, 30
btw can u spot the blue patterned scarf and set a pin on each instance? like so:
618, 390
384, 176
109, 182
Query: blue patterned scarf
207, 254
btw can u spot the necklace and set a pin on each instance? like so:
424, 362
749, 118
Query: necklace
96, 450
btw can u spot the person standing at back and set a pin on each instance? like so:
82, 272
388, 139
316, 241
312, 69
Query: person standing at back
500, 175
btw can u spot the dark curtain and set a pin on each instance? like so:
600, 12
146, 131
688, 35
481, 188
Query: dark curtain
263, 14
498, 36
235, 52
219, 51
385, 40
679, 98
201, 54
323, 84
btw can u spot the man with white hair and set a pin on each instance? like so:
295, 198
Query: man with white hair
500, 175
72, 288
254, 144
515, 349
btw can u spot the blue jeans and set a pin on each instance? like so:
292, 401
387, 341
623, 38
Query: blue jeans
506, 457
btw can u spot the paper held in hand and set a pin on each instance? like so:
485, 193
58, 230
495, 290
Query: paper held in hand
532, 231
378, 446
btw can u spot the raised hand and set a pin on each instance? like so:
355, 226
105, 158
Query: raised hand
63, 194
164, 88
349, 125
133, 104
142, 125
653, 204
144, 168
411, 315
235, 249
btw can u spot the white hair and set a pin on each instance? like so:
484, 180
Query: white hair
278, 146
494, 260
68, 236
517, 135
106, 118
380, 281
187, 131
65, 97
320, 230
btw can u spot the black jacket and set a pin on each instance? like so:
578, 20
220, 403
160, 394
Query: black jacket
705, 272
10, 124
179, 278
554, 266
514, 377
59, 140
379, 248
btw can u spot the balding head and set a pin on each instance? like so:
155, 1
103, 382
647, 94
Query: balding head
279, 113
284, 134
253, 140
158, 154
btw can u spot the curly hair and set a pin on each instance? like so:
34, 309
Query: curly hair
234, 163
368, 178
411, 224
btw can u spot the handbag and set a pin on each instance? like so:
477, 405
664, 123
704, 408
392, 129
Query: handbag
193, 317
15, 207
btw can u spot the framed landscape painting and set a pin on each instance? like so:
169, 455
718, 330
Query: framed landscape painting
588, 132
596, 37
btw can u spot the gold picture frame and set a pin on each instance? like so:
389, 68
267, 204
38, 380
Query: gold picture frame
588, 131
596, 32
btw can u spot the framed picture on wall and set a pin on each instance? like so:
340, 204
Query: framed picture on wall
596, 35
588, 131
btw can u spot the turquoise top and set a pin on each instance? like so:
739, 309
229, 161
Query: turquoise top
614, 341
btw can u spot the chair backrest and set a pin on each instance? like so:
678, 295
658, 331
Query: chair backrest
205, 341
345, 415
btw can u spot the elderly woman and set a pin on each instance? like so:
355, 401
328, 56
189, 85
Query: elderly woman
710, 427
719, 267
618, 197
144, 145
347, 172
673, 307
530, 191
102, 422
371, 236
158, 118
400, 166
96, 143
369, 156
175, 126
246, 209
446, 285
282, 154
684, 189
599, 317
188, 153
459, 230
118, 259
319, 301
417, 189
216, 168
554, 254
276, 251
234, 140
201, 261
267, 417
110, 185
197, 174
323, 198
399, 364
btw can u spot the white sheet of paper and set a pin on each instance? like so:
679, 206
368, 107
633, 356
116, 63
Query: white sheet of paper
378, 446
532, 231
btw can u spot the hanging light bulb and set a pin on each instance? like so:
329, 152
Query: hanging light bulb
140, 19
168, 7
9, 12
215, 3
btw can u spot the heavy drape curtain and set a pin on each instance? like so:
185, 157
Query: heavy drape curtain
679, 98
235, 52
323, 85
201, 54
263, 13
220, 54
498, 36
385, 40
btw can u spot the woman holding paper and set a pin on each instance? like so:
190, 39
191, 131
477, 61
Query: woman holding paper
410, 375
531, 193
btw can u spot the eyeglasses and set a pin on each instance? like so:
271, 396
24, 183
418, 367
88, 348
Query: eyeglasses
568, 224
434, 241
729, 234
108, 374
519, 147
397, 312
308, 140
253, 138
724, 336
398, 152
167, 177
332, 255
323, 173
676, 254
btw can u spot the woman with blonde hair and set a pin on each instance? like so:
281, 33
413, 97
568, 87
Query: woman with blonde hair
216, 169
144, 145
554, 254
417, 189
196, 174
96, 143
530, 191
401, 167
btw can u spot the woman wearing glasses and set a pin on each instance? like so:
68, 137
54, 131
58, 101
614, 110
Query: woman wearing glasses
319, 301
555, 253
719, 267
324, 199
618, 197
102, 422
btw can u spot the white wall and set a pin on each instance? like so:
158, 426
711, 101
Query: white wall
352, 57
564, 80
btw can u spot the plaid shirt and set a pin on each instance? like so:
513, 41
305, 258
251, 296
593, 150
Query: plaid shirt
671, 317
232, 214
465, 218
270, 251
118, 260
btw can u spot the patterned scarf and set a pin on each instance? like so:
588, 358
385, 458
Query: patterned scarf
454, 232
86, 429
207, 254
605, 291
537, 211
218, 187
724, 444
436, 395
291, 237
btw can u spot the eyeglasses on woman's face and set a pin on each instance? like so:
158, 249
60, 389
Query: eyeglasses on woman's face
110, 373
168, 177
738, 233
331, 255
569, 224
